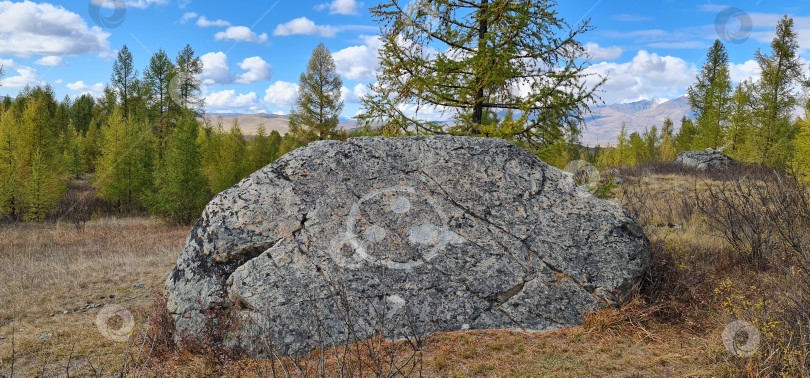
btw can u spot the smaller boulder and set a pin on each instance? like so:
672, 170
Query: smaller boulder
708, 159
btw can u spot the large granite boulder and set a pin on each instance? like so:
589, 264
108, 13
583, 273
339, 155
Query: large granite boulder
338, 241
706, 160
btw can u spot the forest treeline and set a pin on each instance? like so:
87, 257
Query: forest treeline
751, 121
141, 144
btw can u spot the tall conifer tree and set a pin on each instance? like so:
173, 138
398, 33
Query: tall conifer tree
710, 97
775, 96
316, 111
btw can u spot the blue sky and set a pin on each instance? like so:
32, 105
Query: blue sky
254, 51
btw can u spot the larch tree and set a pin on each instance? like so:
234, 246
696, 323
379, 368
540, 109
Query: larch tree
685, 139
11, 188
739, 123
318, 106
185, 84
123, 78
157, 77
638, 148
652, 145
622, 154
668, 152
125, 166
473, 58
775, 96
181, 186
709, 98
801, 159
263, 148
43, 187
224, 156
81, 113
41, 167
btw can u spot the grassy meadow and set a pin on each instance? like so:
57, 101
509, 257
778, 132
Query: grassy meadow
57, 276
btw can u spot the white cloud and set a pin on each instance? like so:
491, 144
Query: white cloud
602, 53
83, 88
647, 76
29, 28
303, 25
427, 113
347, 7
26, 76
216, 69
257, 70
281, 94
359, 62
188, 16
231, 102
241, 33
51, 61
140, 4
744, 71
204, 22
353, 96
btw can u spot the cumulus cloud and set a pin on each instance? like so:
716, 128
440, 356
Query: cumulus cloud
51, 61
353, 96
241, 33
359, 62
257, 70
347, 7
281, 94
303, 25
188, 16
647, 76
83, 88
25, 75
140, 4
29, 28
744, 71
602, 53
204, 22
229, 101
216, 69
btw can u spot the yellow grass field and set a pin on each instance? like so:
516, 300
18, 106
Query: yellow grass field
55, 280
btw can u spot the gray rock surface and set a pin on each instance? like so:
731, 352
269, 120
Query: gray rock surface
405, 236
708, 159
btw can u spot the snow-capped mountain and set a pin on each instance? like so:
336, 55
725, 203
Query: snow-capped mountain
605, 122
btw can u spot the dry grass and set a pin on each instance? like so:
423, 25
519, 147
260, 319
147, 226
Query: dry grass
50, 273
672, 328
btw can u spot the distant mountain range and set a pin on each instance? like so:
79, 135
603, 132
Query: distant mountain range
604, 123
249, 123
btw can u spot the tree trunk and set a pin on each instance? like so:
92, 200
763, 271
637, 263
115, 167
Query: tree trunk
478, 107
